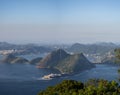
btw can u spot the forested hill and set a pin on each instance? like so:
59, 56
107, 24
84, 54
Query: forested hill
65, 63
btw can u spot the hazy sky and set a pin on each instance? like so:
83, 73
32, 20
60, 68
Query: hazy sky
59, 21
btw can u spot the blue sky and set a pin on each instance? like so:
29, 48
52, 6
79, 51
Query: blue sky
59, 21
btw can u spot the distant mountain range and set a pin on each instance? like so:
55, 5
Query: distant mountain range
94, 52
23, 49
100, 48
75, 48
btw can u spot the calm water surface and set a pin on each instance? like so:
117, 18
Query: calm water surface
19, 79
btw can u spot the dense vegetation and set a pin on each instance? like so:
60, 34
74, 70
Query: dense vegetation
74, 63
92, 87
117, 54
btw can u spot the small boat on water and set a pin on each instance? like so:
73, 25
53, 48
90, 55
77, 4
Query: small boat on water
51, 76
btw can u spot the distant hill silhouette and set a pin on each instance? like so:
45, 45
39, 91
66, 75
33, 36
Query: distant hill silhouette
24, 49
100, 48
13, 59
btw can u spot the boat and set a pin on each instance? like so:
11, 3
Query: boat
51, 76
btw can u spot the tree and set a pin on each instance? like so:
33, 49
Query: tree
72, 87
117, 55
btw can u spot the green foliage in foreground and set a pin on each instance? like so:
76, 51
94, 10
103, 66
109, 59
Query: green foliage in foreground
117, 55
92, 87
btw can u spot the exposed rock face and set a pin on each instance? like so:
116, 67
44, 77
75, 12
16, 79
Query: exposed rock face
13, 59
65, 62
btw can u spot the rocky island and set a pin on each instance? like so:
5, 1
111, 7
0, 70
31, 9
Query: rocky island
65, 62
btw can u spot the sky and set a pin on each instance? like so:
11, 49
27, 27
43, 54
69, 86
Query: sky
59, 21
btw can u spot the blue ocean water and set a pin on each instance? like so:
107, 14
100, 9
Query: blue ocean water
25, 79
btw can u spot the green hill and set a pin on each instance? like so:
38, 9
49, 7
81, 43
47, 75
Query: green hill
65, 62
53, 59
74, 63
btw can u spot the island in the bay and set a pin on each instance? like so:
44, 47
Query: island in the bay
65, 62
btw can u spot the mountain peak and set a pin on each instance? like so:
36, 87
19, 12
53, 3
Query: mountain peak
64, 62
53, 58
59, 52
